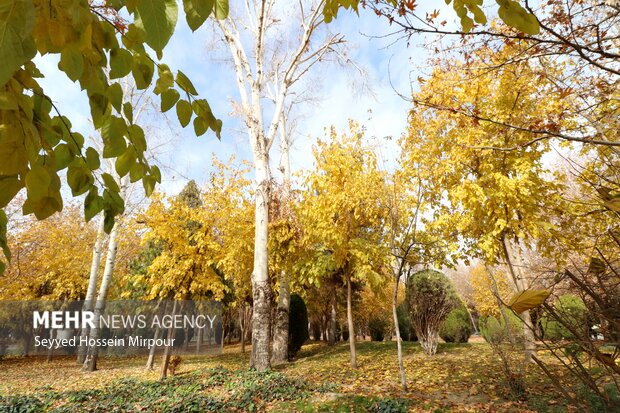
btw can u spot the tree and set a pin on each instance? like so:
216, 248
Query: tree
97, 42
51, 258
411, 239
510, 11
580, 33
485, 284
504, 198
342, 217
252, 76
431, 297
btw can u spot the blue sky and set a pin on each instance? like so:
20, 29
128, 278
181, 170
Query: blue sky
380, 110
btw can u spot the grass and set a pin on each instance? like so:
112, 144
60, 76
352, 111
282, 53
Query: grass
460, 378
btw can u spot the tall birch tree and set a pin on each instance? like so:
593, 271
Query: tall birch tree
257, 63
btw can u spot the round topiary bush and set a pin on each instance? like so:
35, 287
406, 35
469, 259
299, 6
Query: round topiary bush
297, 325
456, 328
431, 297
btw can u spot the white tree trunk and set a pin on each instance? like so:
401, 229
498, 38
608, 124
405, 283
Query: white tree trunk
163, 372
151, 360
512, 256
92, 286
90, 361
261, 288
281, 327
401, 367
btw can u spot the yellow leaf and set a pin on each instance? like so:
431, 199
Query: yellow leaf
528, 299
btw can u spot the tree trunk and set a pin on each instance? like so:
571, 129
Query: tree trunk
281, 327
261, 288
199, 333
92, 287
163, 372
242, 327
331, 334
280, 336
471, 318
50, 351
151, 359
517, 278
401, 367
90, 361
350, 321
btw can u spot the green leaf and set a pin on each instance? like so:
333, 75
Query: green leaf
93, 204
92, 159
115, 95
165, 80
157, 18
137, 172
7, 101
112, 133
221, 9
197, 12
527, 299
79, 179
108, 221
185, 84
12, 152
184, 112
142, 71
168, 99
42, 208
200, 127
16, 42
71, 62
128, 111
9, 187
149, 185
125, 162
37, 183
110, 182
121, 62
136, 136
113, 201
99, 108
156, 173
63, 156
513, 14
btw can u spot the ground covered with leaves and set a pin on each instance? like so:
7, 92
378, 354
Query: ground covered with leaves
460, 378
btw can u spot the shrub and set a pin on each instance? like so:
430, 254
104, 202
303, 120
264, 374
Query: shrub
507, 342
297, 325
572, 311
431, 297
456, 328
378, 327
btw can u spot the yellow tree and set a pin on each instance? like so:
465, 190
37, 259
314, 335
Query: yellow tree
343, 218
51, 258
490, 180
227, 202
485, 285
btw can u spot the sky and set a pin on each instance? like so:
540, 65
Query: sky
390, 65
